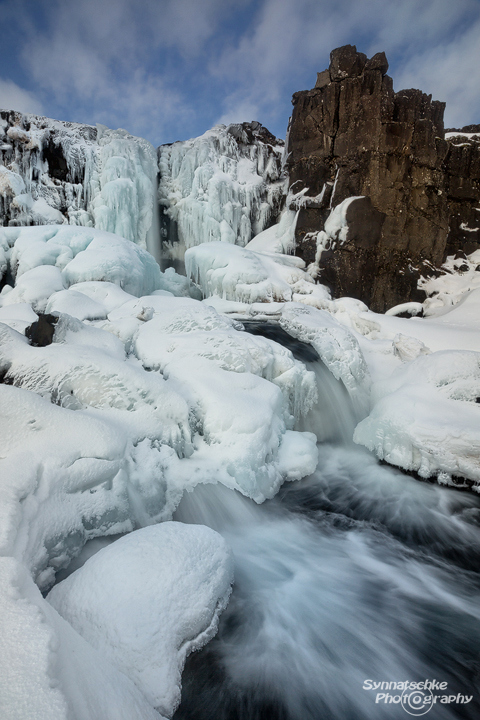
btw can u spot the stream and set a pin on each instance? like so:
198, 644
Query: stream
358, 574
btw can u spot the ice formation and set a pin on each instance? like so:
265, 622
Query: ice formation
144, 392
249, 276
48, 259
336, 346
225, 185
67, 173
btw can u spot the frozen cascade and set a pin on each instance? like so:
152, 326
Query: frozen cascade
358, 572
67, 173
226, 185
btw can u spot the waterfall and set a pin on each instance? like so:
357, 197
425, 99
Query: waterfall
355, 575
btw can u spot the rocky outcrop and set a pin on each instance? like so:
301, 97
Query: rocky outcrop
352, 136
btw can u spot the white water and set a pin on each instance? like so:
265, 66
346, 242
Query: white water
358, 572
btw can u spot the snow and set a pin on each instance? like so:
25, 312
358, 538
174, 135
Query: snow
336, 226
247, 276
425, 417
48, 670
462, 134
147, 392
78, 255
413, 308
336, 345
184, 573
141, 395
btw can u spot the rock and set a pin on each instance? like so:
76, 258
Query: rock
40, 333
346, 62
355, 137
323, 78
462, 180
377, 62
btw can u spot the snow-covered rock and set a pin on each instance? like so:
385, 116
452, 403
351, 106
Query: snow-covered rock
47, 670
337, 347
78, 255
426, 417
149, 599
247, 276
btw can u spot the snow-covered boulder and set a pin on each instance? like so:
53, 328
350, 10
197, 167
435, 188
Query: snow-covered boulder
426, 417
149, 599
78, 255
244, 275
337, 347
47, 670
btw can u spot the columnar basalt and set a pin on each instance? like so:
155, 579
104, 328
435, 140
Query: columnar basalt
353, 136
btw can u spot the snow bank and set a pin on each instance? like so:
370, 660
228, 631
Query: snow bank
426, 417
48, 670
460, 277
147, 600
224, 373
247, 276
78, 255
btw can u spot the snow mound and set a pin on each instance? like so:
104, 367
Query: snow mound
246, 276
148, 600
48, 670
426, 417
78, 255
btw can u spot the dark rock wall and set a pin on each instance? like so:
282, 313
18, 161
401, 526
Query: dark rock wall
352, 135
462, 167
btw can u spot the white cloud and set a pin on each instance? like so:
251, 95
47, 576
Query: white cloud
13, 97
145, 64
426, 42
450, 72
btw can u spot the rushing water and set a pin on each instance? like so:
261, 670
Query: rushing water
356, 573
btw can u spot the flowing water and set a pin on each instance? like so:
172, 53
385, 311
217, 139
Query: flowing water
358, 573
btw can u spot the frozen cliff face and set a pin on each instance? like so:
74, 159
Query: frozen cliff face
61, 172
225, 185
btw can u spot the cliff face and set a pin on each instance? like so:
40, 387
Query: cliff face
353, 136
462, 167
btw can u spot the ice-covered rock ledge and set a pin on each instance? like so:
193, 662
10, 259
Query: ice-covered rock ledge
68, 173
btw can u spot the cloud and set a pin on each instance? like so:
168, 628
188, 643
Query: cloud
451, 72
178, 66
13, 97
289, 42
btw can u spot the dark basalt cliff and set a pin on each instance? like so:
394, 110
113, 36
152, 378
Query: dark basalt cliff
353, 136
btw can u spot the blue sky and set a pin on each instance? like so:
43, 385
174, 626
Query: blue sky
170, 69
